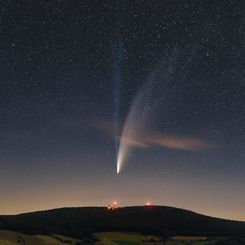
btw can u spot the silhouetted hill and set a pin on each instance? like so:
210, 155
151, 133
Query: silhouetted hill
79, 221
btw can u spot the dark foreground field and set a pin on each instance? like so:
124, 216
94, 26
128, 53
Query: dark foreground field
113, 238
84, 223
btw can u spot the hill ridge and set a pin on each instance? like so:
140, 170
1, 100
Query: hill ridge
75, 221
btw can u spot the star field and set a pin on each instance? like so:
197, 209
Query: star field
70, 72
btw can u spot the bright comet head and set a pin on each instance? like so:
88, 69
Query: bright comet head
118, 167
119, 159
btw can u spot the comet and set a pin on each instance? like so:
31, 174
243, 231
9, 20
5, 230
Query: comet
156, 95
134, 129
142, 113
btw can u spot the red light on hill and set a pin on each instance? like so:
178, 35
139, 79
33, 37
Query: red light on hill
148, 204
112, 206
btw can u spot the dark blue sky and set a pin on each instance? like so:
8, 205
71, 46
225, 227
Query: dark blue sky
70, 73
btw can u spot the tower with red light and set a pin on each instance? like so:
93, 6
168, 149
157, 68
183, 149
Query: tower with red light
112, 206
148, 204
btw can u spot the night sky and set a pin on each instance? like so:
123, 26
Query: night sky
74, 74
